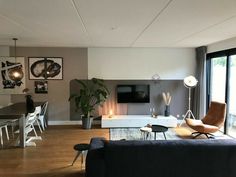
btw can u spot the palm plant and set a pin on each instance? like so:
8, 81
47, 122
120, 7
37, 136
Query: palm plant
91, 94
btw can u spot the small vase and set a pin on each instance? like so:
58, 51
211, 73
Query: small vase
29, 104
167, 110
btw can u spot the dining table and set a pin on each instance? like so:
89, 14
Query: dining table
18, 111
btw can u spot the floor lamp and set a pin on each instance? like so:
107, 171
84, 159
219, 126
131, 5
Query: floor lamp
189, 82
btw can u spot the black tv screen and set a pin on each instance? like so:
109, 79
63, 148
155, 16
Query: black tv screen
133, 93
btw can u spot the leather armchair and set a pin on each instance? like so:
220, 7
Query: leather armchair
211, 123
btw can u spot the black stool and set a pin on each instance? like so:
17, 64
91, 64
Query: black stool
81, 148
159, 128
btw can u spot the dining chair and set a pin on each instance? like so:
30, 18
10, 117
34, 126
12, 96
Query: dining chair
3, 124
30, 120
36, 116
42, 115
12, 122
29, 125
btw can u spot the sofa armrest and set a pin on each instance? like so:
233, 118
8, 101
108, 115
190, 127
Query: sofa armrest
96, 143
95, 164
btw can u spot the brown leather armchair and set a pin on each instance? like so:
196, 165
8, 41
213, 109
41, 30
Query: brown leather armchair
211, 123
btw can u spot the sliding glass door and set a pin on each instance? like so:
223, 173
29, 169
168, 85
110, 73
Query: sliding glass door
221, 84
231, 123
218, 79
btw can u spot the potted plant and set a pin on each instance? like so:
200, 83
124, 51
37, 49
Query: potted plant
92, 93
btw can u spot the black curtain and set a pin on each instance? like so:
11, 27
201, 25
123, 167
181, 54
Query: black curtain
199, 101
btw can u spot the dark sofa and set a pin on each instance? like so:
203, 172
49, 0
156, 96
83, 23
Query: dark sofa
171, 158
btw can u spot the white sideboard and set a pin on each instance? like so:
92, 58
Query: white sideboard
125, 121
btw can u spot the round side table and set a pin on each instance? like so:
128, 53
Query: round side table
145, 132
158, 129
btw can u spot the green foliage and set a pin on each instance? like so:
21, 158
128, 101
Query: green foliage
233, 62
221, 61
92, 93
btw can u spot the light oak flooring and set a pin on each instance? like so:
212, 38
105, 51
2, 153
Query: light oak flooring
52, 157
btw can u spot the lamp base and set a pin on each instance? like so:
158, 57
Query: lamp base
189, 114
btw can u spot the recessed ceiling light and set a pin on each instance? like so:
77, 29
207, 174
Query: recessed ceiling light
113, 28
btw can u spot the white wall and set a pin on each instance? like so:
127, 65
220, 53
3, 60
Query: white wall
222, 45
6, 98
141, 63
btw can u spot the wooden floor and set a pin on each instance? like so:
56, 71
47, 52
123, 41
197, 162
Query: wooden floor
52, 157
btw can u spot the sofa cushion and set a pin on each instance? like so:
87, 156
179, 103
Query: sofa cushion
174, 158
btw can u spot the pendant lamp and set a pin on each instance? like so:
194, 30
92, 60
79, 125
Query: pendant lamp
16, 72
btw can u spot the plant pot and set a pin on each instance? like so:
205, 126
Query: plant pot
87, 122
167, 110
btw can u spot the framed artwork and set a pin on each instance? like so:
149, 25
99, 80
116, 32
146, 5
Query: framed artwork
41, 86
7, 65
50, 68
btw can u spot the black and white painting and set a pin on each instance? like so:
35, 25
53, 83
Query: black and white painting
41, 87
7, 65
50, 68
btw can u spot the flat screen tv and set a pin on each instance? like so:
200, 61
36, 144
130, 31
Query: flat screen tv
133, 93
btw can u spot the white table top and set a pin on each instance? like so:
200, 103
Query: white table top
137, 117
137, 121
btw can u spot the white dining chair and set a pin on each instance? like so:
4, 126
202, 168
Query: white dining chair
11, 122
30, 120
36, 116
42, 115
3, 124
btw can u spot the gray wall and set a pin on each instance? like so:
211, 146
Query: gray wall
178, 104
75, 65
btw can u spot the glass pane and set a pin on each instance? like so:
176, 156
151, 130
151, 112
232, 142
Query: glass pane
218, 78
232, 97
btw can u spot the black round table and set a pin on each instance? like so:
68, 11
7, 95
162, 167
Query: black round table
158, 129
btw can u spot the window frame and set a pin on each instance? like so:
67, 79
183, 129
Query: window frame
224, 53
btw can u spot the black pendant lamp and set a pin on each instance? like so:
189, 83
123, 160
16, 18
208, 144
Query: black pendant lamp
16, 73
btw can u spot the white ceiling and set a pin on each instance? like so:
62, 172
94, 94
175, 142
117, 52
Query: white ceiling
117, 23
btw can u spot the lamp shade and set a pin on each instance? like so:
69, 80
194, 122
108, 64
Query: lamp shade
15, 74
190, 81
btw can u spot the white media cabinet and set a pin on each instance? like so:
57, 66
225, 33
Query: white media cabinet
126, 121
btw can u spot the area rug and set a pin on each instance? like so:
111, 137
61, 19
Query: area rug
172, 134
135, 134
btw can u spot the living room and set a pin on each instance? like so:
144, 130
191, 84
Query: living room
126, 43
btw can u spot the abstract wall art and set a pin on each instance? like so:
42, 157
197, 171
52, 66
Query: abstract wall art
49, 68
41, 86
7, 65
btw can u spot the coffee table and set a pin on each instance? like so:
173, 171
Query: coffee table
158, 129
145, 132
